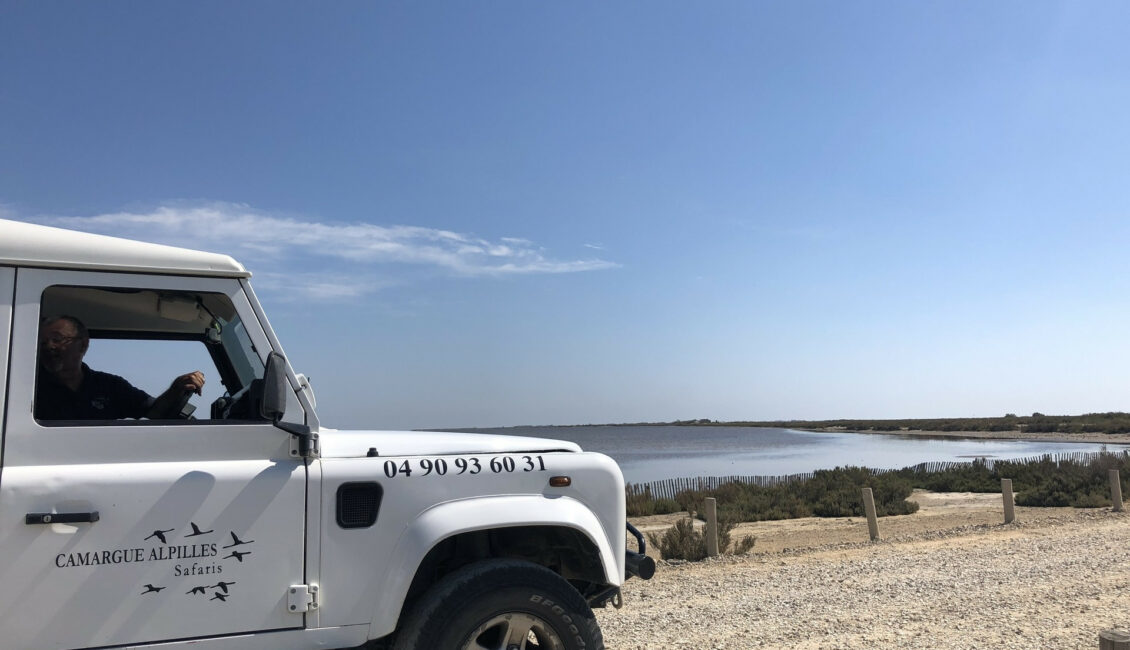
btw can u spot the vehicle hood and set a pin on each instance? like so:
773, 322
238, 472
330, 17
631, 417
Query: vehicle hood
354, 444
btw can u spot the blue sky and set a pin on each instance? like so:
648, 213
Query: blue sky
482, 214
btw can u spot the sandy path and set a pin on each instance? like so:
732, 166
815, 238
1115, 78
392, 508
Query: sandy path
950, 576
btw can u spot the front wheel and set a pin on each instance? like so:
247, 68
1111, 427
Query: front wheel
501, 605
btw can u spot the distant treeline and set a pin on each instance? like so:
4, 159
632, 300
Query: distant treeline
1115, 422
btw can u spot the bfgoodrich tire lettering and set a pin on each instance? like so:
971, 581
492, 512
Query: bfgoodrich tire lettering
501, 605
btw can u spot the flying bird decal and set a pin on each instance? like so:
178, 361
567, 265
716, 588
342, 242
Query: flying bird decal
196, 530
236, 541
160, 534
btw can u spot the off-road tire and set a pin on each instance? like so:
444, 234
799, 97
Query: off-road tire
470, 607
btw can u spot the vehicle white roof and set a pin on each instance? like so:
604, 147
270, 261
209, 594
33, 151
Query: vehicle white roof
25, 244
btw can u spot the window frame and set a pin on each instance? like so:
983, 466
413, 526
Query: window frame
222, 361
31, 442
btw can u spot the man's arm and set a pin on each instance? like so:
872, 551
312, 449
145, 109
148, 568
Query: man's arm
184, 385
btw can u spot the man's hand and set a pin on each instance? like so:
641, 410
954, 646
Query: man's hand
169, 403
192, 382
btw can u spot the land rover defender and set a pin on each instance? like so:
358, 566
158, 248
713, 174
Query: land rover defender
242, 521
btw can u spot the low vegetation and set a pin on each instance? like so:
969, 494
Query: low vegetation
642, 504
683, 542
1047, 482
829, 493
1044, 482
836, 493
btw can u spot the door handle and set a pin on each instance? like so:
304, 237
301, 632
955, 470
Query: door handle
61, 518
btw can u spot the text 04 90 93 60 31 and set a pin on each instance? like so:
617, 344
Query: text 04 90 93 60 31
471, 465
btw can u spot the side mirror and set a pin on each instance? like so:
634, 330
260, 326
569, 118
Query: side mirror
273, 405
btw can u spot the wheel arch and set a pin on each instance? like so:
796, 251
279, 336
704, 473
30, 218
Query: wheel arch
531, 527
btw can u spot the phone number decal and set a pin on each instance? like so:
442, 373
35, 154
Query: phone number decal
470, 465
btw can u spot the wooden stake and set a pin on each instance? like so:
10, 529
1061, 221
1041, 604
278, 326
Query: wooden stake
1006, 492
1114, 640
711, 527
1115, 491
869, 509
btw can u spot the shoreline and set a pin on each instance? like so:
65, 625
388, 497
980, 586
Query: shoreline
1086, 438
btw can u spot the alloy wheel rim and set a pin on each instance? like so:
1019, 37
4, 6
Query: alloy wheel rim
514, 631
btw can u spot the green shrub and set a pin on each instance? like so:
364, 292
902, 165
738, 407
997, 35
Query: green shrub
744, 502
641, 504
1090, 500
680, 542
726, 544
974, 477
1042, 482
837, 492
683, 542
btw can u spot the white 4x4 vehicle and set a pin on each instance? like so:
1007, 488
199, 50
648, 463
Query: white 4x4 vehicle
251, 525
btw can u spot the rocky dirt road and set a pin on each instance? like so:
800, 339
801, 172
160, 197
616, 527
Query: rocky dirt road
950, 576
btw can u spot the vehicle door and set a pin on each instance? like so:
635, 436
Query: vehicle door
135, 531
7, 294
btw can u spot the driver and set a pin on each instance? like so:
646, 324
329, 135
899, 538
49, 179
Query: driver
67, 389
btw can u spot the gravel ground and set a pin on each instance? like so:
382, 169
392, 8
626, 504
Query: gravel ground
1053, 579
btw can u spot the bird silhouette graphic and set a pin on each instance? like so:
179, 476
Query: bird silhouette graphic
237, 541
196, 530
220, 597
197, 590
160, 534
150, 589
237, 555
223, 585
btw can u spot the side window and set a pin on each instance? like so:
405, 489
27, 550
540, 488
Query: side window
110, 354
151, 364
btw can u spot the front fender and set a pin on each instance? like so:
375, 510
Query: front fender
467, 515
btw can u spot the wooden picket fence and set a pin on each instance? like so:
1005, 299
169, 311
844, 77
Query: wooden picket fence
667, 489
1064, 458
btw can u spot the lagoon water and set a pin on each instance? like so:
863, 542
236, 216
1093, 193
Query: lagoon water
654, 453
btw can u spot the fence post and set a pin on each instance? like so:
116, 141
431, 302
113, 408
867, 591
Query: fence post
711, 527
1115, 491
1114, 640
1006, 493
869, 509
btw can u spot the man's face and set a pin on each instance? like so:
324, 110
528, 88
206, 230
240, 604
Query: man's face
60, 347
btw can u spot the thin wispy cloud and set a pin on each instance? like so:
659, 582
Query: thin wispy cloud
322, 287
236, 229
353, 250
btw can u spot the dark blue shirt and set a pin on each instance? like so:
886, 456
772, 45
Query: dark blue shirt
101, 396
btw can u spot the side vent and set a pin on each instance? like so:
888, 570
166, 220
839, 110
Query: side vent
358, 504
